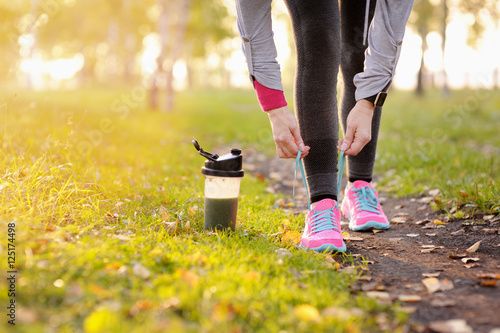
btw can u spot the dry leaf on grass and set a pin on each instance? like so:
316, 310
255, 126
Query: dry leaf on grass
306, 312
141, 271
291, 237
283, 253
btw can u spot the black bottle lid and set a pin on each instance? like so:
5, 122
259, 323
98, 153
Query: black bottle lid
229, 165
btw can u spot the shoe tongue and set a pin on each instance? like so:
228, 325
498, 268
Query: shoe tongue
360, 183
324, 204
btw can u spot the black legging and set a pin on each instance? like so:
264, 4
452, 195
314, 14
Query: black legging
325, 39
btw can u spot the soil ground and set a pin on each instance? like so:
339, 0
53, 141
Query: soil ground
400, 258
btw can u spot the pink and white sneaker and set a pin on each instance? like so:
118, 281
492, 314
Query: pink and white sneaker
362, 207
322, 231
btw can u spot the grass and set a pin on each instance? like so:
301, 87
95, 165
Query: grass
94, 183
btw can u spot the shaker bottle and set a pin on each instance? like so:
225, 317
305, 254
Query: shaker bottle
222, 186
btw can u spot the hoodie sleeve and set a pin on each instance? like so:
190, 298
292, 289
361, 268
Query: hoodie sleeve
385, 38
255, 28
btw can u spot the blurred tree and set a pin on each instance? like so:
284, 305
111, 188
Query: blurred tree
432, 15
188, 29
424, 20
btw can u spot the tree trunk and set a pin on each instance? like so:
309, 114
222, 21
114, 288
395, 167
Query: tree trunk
446, 90
30, 76
419, 91
162, 27
183, 16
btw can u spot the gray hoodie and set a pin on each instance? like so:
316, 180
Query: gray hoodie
385, 37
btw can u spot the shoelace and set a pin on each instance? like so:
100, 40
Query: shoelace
323, 219
366, 199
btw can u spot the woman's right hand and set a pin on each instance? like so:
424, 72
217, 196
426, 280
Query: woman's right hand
286, 133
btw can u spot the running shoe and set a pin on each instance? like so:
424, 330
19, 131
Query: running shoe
322, 231
362, 208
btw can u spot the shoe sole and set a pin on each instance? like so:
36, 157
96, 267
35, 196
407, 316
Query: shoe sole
367, 226
325, 248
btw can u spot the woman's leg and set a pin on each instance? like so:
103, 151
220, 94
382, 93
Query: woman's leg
352, 20
317, 38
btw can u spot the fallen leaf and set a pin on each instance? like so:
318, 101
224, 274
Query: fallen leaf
380, 295
399, 206
369, 286
330, 260
442, 302
474, 264
409, 298
490, 231
348, 270
170, 227
365, 278
489, 276
454, 255
439, 222
474, 247
430, 235
429, 275
425, 221
433, 284
450, 326
283, 253
458, 232
189, 277
488, 217
412, 235
284, 225
251, 276
307, 312
141, 271
434, 192
488, 283
291, 237
467, 259
353, 238
398, 220
424, 200
121, 237
375, 231
446, 284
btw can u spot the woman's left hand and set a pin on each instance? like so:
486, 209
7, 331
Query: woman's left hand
358, 128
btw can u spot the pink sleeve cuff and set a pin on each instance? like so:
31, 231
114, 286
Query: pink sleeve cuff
269, 99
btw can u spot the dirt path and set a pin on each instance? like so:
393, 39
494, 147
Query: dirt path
421, 260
